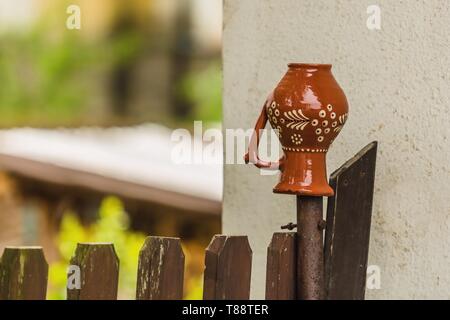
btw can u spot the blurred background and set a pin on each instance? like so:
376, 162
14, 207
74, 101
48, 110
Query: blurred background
86, 117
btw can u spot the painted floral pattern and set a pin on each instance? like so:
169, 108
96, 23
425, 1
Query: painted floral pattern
325, 123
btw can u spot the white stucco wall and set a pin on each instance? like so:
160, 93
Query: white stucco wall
397, 83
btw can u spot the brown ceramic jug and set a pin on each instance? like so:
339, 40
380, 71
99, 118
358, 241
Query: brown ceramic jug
307, 109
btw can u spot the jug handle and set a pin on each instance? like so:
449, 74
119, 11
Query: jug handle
252, 153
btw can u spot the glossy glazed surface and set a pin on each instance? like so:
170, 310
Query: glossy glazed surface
308, 110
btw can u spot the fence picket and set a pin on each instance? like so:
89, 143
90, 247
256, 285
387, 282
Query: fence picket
23, 274
228, 263
161, 269
347, 232
99, 271
281, 267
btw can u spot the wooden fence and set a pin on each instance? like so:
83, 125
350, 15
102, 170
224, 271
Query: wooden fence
228, 259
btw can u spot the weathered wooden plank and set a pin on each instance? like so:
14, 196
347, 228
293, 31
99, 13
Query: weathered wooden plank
281, 267
211, 265
23, 274
161, 269
348, 226
98, 267
228, 264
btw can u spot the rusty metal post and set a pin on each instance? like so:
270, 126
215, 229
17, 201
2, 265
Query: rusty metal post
310, 266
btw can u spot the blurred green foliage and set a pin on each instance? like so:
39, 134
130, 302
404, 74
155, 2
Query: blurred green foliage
112, 226
39, 79
203, 88
195, 288
49, 78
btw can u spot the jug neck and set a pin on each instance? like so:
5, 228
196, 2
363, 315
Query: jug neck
308, 71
